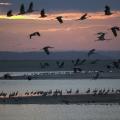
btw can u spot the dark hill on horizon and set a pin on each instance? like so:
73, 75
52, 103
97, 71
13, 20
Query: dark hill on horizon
67, 55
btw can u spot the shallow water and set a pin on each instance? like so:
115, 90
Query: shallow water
82, 85
59, 112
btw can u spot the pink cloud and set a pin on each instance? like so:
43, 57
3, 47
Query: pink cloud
71, 35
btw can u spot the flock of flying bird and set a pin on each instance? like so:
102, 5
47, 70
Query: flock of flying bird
101, 35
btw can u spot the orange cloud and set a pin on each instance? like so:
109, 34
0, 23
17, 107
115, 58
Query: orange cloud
66, 16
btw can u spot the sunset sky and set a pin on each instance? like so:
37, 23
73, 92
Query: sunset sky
72, 35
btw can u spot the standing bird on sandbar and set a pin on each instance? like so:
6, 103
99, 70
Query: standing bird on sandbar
42, 13
107, 10
83, 17
9, 13
116, 64
59, 19
96, 76
34, 34
77, 69
109, 67
114, 30
92, 51
46, 49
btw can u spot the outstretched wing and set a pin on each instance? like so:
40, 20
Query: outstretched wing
47, 51
114, 32
59, 19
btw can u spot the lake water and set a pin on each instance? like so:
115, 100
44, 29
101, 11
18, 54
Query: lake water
59, 112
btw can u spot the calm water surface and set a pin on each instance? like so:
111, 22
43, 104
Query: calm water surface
59, 112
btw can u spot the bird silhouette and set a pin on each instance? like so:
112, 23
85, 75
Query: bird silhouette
101, 36
46, 49
60, 64
42, 13
77, 69
9, 13
92, 51
109, 67
29, 77
83, 17
114, 30
76, 62
97, 75
59, 18
44, 65
34, 34
22, 10
107, 10
30, 9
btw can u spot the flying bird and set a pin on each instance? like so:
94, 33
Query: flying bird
92, 51
46, 49
60, 64
100, 33
107, 10
34, 34
76, 62
9, 13
114, 30
59, 18
30, 9
22, 10
83, 17
42, 13
44, 65
101, 36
